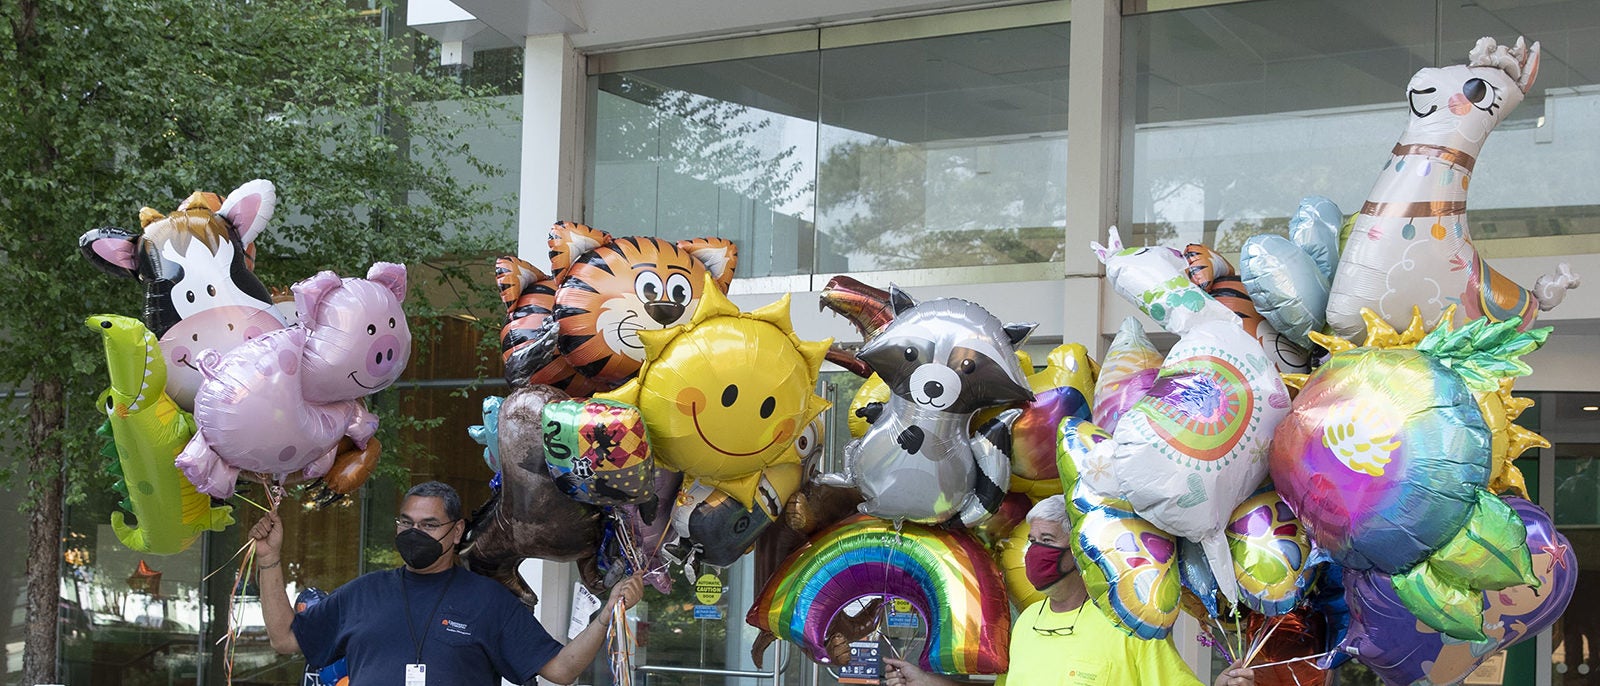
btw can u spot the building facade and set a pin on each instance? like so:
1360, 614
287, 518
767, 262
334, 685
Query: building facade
968, 149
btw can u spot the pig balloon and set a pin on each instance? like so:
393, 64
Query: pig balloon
281, 402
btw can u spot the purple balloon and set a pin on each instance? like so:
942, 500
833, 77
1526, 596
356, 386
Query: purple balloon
280, 403
1400, 649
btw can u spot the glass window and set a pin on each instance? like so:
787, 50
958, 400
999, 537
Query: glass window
1240, 110
1573, 426
946, 151
723, 149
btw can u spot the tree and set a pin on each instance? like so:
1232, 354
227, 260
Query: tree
105, 107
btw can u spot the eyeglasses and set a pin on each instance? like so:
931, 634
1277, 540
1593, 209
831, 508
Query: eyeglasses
428, 527
1058, 631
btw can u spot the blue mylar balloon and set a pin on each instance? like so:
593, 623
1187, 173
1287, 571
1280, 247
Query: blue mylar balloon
1286, 285
487, 434
1315, 228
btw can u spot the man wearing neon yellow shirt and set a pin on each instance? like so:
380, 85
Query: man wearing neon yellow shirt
1064, 640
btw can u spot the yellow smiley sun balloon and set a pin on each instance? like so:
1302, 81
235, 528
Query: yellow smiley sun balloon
725, 396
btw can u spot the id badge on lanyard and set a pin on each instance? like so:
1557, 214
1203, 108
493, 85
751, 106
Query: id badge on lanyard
416, 675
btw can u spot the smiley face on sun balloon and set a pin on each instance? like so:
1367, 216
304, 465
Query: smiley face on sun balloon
726, 395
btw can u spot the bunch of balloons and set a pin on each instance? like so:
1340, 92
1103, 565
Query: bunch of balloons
267, 396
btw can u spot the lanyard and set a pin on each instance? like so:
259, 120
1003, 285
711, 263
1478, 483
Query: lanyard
406, 596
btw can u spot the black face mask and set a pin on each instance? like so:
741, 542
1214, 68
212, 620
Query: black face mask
418, 549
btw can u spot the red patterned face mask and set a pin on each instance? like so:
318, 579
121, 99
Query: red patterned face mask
1042, 563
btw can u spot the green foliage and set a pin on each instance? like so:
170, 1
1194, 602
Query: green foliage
107, 107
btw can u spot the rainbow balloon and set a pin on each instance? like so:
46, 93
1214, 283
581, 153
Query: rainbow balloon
947, 576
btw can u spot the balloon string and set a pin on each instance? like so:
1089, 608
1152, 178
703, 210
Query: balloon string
1225, 646
257, 505
887, 604
1260, 643
630, 551
1317, 656
620, 635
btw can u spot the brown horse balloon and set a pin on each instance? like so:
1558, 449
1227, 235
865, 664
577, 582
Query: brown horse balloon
530, 516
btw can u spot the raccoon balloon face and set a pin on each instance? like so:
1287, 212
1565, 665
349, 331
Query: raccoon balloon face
946, 355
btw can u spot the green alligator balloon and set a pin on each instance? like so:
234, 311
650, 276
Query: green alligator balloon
149, 430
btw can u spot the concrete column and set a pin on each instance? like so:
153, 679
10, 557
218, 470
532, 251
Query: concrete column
554, 91
1094, 161
553, 97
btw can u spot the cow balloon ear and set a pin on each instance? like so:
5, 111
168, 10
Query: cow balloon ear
112, 250
249, 208
391, 276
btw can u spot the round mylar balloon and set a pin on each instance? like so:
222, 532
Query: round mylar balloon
1270, 553
725, 396
1382, 457
1129, 566
1391, 641
1130, 367
946, 575
1064, 388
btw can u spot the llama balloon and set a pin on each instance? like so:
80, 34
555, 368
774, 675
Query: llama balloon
280, 403
1410, 244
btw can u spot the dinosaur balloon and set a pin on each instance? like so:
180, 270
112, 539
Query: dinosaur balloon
1410, 245
149, 429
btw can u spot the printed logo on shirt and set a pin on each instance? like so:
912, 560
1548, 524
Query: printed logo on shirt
1083, 676
455, 627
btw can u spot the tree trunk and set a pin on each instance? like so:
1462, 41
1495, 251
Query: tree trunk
46, 419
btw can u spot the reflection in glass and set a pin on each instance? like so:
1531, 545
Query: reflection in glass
1240, 110
723, 149
948, 151
1575, 432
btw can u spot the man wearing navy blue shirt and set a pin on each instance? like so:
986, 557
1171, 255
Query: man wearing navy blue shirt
429, 623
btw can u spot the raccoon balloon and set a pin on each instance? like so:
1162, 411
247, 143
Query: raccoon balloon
943, 361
